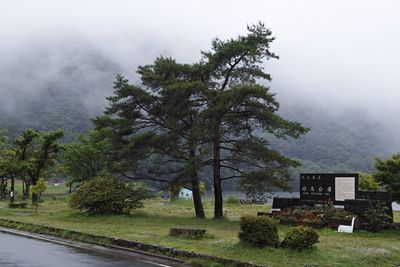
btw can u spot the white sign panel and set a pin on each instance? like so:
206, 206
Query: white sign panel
345, 188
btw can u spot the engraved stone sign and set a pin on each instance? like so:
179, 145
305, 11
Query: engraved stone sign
328, 187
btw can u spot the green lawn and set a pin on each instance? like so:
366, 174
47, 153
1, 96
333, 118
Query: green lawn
152, 223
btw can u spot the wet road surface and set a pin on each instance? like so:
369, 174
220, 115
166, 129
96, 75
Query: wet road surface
18, 251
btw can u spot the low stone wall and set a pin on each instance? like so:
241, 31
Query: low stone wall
122, 243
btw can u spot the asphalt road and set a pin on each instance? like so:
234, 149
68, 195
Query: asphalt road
21, 251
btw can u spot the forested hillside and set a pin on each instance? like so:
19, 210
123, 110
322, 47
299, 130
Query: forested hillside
335, 143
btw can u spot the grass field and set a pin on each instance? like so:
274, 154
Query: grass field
152, 223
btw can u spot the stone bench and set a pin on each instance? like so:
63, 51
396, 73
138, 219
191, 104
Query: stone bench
188, 232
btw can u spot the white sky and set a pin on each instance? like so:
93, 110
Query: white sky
340, 53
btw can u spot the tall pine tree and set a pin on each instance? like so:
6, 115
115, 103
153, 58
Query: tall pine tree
240, 110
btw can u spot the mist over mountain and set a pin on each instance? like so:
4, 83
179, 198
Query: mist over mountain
55, 89
337, 72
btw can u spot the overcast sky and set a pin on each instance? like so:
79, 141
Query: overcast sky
342, 54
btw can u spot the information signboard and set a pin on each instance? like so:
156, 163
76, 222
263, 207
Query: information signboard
328, 187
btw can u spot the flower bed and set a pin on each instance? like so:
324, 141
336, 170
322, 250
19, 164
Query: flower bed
315, 217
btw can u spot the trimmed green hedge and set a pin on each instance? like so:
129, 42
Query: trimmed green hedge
300, 237
259, 231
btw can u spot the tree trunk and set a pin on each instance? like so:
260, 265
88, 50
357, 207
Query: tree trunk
70, 188
194, 179
218, 204
12, 192
198, 205
35, 197
25, 189
3, 186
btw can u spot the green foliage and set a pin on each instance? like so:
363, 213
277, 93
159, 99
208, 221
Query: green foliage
39, 187
259, 231
376, 218
301, 237
232, 199
108, 195
39, 150
85, 158
37, 190
32, 156
10, 163
368, 182
330, 212
388, 172
3, 139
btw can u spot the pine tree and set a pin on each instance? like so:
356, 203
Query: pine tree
241, 112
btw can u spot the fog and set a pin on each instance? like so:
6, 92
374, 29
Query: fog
339, 58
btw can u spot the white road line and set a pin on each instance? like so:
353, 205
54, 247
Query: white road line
158, 264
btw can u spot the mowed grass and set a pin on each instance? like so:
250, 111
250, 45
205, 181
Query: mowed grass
152, 223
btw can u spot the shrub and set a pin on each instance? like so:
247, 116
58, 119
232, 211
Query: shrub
259, 231
376, 219
298, 213
105, 195
39, 187
232, 199
300, 237
368, 182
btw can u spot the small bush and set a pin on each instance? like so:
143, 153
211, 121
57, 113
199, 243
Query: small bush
232, 199
368, 182
300, 237
376, 218
105, 195
259, 231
